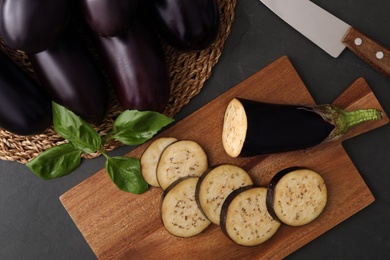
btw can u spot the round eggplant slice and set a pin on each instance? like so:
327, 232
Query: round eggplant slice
245, 218
150, 158
180, 213
181, 159
296, 196
215, 185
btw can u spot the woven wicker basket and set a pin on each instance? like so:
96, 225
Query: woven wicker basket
188, 73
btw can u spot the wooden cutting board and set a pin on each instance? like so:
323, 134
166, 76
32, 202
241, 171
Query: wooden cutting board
118, 225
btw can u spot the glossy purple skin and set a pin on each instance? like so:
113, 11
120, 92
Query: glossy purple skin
72, 77
109, 17
33, 25
136, 65
25, 107
187, 25
275, 128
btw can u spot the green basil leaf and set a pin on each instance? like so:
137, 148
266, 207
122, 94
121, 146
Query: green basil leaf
75, 129
56, 162
134, 127
125, 172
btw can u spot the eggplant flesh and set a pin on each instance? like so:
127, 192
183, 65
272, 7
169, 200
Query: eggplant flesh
72, 77
33, 25
181, 159
180, 213
245, 218
186, 25
296, 196
257, 128
215, 185
25, 107
109, 17
151, 157
136, 65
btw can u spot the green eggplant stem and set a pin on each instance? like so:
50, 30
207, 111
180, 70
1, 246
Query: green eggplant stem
345, 120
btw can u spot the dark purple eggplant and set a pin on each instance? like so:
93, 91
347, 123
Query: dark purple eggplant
72, 77
186, 25
254, 128
25, 107
33, 25
109, 17
136, 65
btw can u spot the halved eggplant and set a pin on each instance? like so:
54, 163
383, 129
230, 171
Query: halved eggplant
186, 25
215, 185
136, 64
245, 218
33, 25
109, 17
25, 107
181, 159
150, 158
296, 196
72, 77
180, 213
255, 128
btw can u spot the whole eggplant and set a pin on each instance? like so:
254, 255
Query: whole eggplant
72, 77
186, 25
136, 64
254, 128
33, 25
109, 17
25, 107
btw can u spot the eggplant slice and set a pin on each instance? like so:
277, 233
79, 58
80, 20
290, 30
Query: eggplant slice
181, 159
180, 213
245, 218
215, 185
150, 158
296, 196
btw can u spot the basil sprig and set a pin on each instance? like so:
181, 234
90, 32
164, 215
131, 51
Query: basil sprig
131, 127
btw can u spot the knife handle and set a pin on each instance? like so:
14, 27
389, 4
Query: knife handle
368, 50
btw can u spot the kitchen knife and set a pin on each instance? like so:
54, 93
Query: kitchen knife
330, 33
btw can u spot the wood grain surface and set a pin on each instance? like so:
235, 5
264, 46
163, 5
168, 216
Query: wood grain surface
374, 54
118, 225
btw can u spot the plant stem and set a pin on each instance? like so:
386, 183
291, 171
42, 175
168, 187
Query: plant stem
103, 153
351, 118
107, 137
345, 120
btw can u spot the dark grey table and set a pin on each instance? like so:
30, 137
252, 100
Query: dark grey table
34, 224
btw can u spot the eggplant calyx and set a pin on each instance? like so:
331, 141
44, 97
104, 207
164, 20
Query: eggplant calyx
345, 120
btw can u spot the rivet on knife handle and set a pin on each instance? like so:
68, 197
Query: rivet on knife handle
368, 50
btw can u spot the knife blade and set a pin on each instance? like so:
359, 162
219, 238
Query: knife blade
330, 33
